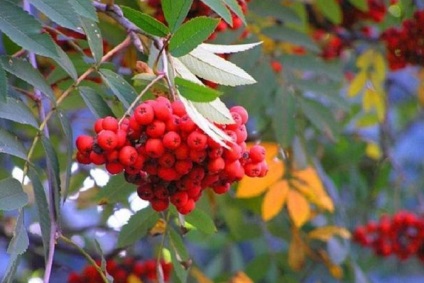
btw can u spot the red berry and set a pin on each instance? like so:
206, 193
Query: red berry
128, 155
154, 148
161, 192
276, 66
171, 140
186, 124
167, 160
216, 165
178, 108
159, 204
221, 188
241, 134
168, 174
98, 125
74, 278
179, 198
110, 123
183, 166
156, 129
122, 138
182, 152
257, 153
238, 121
253, 169
84, 143
107, 140
83, 158
233, 152
215, 152
144, 114
145, 191
197, 156
162, 108
197, 140
237, 23
97, 159
114, 167
187, 208
242, 111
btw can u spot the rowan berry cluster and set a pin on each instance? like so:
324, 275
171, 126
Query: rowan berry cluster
376, 12
142, 270
401, 235
198, 8
171, 160
405, 45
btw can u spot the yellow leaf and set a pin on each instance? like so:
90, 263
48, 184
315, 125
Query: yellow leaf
132, 278
369, 119
200, 277
241, 277
364, 60
357, 84
296, 256
420, 92
327, 232
274, 200
375, 99
373, 150
159, 228
368, 99
298, 208
335, 270
379, 73
252, 187
309, 183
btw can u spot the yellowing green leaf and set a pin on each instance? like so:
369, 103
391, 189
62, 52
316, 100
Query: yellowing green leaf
296, 251
364, 61
327, 232
252, 187
241, 277
274, 200
133, 278
373, 151
200, 277
298, 208
374, 100
357, 84
379, 73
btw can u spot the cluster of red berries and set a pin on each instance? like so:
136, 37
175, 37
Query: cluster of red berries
331, 44
144, 270
405, 45
376, 12
198, 8
401, 235
171, 160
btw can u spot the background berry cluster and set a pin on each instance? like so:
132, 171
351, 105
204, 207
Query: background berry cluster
171, 160
143, 270
401, 235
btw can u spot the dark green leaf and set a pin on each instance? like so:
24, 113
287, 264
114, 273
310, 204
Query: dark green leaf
283, 33
257, 268
68, 135
53, 172
320, 116
65, 62
360, 4
15, 110
178, 268
24, 30
103, 261
178, 245
24, 70
191, 34
235, 7
175, 12
10, 144
42, 208
284, 120
85, 8
120, 87
219, 7
12, 196
201, 220
331, 10
196, 92
116, 190
272, 9
137, 227
60, 11
12, 266
19, 243
3, 84
146, 22
95, 102
94, 38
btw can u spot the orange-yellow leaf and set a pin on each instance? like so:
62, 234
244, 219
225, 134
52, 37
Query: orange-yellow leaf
296, 256
373, 151
298, 207
335, 270
271, 149
159, 228
357, 84
327, 232
132, 278
200, 277
309, 183
274, 199
252, 187
241, 277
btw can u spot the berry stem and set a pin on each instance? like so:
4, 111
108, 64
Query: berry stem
134, 103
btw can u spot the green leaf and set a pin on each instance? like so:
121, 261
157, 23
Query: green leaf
68, 135
215, 111
201, 220
53, 172
272, 9
320, 116
85, 9
94, 38
310, 63
191, 34
283, 119
175, 12
137, 227
331, 10
360, 4
178, 268
24, 30
257, 268
60, 11
12, 196
178, 245
42, 209
195, 92
103, 261
15, 110
24, 70
19, 243
282, 33
9, 144
3, 84
219, 7
145, 22
116, 190
95, 102
65, 62
120, 87
235, 7
12, 266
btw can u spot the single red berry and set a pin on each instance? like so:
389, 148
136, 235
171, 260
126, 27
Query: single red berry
233, 153
187, 208
182, 152
210, 180
122, 138
144, 114
215, 152
179, 198
156, 129
83, 158
154, 148
264, 169
112, 156
197, 173
186, 124
237, 23
128, 155
84, 143
178, 108
120, 276
107, 140
216, 165
183, 166
98, 125
167, 160
257, 153
110, 123
234, 170
241, 134
197, 140
145, 191
97, 159
114, 167
238, 121
161, 192
172, 124
221, 188
242, 111
74, 278
276, 66
171, 140
253, 169
159, 205
197, 156
168, 174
